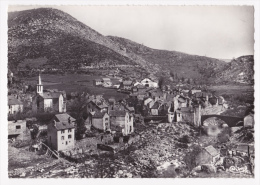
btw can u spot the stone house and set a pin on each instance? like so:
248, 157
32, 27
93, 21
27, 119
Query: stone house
100, 121
189, 114
61, 135
14, 105
121, 121
208, 155
17, 129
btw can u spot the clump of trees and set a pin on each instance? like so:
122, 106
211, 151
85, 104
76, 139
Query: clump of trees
77, 109
191, 158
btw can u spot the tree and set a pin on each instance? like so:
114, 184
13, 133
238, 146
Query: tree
77, 110
191, 158
161, 82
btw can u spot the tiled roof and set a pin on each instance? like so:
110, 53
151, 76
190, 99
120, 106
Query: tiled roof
63, 117
99, 114
117, 113
100, 103
211, 150
50, 95
13, 101
63, 125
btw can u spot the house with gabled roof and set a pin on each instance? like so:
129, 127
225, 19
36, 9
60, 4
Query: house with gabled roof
208, 155
100, 120
121, 122
61, 134
64, 117
97, 105
14, 105
147, 82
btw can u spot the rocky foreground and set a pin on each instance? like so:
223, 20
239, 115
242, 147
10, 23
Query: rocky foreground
160, 152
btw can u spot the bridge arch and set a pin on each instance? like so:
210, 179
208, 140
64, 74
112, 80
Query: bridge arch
229, 120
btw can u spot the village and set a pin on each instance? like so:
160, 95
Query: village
159, 130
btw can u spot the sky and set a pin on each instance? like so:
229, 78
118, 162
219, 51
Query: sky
223, 32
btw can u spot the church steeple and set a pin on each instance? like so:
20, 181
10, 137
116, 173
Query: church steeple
39, 85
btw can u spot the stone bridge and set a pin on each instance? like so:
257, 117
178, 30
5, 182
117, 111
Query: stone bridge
229, 120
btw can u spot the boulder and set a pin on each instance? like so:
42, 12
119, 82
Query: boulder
208, 168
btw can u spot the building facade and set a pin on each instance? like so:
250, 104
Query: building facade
61, 135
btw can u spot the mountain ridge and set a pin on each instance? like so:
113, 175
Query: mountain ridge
66, 42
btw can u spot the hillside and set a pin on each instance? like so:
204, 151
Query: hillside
59, 37
239, 70
46, 37
177, 63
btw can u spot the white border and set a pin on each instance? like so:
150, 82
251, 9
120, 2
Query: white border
3, 100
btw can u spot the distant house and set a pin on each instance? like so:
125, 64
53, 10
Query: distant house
249, 120
156, 95
17, 129
98, 82
208, 155
126, 85
147, 82
44, 101
121, 121
107, 82
61, 134
14, 105
97, 105
100, 121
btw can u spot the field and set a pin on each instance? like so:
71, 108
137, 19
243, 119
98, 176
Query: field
232, 89
76, 82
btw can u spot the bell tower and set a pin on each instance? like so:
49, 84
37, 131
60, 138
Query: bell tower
39, 85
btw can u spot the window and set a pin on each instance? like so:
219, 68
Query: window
66, 142
69, 136
18, 127
69, 130
106, 119
63, 131
62, 137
